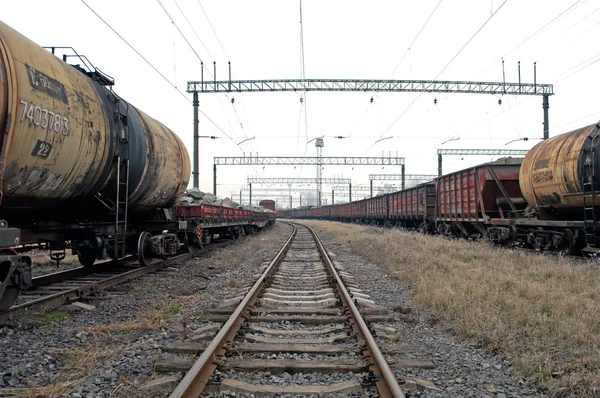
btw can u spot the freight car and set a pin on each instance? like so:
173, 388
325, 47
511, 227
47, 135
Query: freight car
546, 201
82, 169
267, 204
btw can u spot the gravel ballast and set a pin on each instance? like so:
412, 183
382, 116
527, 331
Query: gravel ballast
461, 369
111, 350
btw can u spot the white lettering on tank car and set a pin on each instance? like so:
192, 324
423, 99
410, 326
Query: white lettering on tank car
44, 118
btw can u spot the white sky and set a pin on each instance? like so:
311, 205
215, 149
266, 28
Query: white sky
342, 39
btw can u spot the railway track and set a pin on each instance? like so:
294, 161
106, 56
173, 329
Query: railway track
55, 289
304, 320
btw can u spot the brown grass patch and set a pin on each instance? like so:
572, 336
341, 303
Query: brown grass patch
42, 258
542, 312
79, 363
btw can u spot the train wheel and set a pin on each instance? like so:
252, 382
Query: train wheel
144, 249
567, 243
86, 259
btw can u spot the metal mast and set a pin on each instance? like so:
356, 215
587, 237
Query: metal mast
319, 144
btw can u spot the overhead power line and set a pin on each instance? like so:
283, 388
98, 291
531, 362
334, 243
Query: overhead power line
155, 69
399, 62
445, 67
179, 30
136, 51
471, 39
564, 12
192, 27
417, 36
213, 29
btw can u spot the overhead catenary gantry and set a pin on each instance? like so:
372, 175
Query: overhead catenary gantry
303, 160
259, 180
398, 177
299, 195
469, 152
362, 85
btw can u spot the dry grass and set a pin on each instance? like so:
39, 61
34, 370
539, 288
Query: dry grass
78, 363
42, 258
542, 312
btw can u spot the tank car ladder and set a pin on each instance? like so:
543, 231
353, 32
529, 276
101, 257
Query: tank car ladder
122, 191
121, 207
588, 183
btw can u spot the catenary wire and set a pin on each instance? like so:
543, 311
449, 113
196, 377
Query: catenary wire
399, 62
445, 67
154, 68
192, 27
213, 29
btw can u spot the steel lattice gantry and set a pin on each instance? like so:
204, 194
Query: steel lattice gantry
309, 160
259, 180
284, 193
304, 160
398, 177
364, 85
468, 152
414, 86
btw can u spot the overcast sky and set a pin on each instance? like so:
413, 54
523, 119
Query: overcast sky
342, 39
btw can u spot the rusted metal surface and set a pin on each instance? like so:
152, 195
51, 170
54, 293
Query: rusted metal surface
377, 207
551, 171
471, 194
387, 385
198, 376
61, 133
417, 203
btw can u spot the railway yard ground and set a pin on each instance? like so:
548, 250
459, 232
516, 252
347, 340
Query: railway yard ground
541, 314
490, 322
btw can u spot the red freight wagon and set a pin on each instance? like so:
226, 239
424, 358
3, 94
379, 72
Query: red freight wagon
346, 210
413, 207
267, 204
205, 211
335, 211
359, 209
377, 207
478, 193
318, 212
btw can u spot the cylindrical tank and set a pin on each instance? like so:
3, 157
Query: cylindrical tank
62, 133
551, 175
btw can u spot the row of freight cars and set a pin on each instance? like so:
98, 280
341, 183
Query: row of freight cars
545, 201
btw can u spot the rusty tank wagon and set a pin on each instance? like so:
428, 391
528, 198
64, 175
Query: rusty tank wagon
80, 167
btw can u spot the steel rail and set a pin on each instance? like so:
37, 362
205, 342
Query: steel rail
388, 386
198, 376
78, 292
92, 287
59, 276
